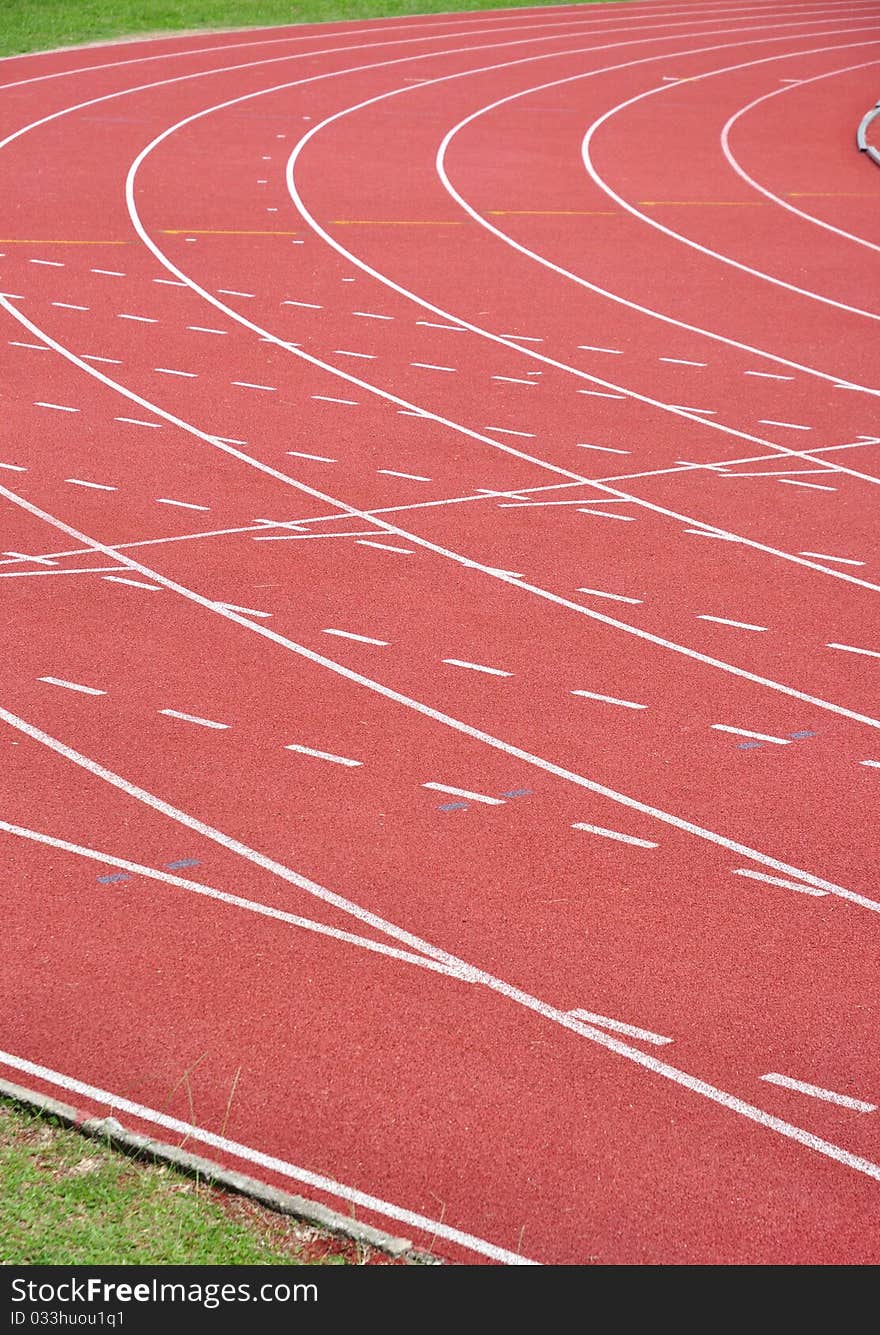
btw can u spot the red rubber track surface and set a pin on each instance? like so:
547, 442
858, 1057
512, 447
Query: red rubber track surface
501, 953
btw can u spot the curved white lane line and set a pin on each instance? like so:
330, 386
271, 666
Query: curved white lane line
679, 236
756, 185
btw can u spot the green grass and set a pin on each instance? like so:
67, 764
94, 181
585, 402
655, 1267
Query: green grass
66, 1199
34, 25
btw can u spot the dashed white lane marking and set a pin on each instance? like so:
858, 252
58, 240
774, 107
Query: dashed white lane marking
54, 264
615, 834
875, 764
323, 755
827, 1095
796, 482
792, 426
166, 370
350, 635
600, 394
112, 361
430, 324
606, 449
110, 273
412, 477
72, 685
310, 305
319, 458
14, 468
201, 329
618, 1027
228, 292
707, 533
431, 366
521, 338
184, 505
706, 412
247, 384
506, 431
34, 347
608, 514
245, 611
723, 621
371, 315
59, 407
616, 597
169, 282
585, 347
779, 880
682, 361
96, 486
142, 319
385, 546
138, 421
851, 649
512, 379
758, 736
366, 356
135, 583
69, 306
477, 667
328, 398
609, 700
463, 792
193, 718
769, 375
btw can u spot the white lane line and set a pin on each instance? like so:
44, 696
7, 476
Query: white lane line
385, 546
96, 486
682, 361
411, 477
319, 458
112, 361
600, 394
311, 305
615, 834
429, 366
229, 292
14, 468
779, 880
69, 306
758, 736
609, 700
827, 1095
463, 792
53, 264
34, 347
606, 449
137, 421
247, 384
875, 764
617, 597
169, 282
706, 412
813, 486
585, 347
245, 611
477, 667
323, 755
618, 1027
110, 273
184, 505
80, 570
851, 649
371, 315
201, 329
344, 352
58, 407
135, 583
71, 685
166, 370
823, 556
141, 319
350, 635
193, 718
513, 380
792, 426
707, 533
506, 431
723, 621
608, 514
328, 398
769, 375
430, 324
521, 338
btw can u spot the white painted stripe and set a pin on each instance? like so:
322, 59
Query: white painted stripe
875, 764
514, 380
851, 649
617, 597
54, 264
706, 412
723, 621
135, 583
823, 556
615, 834
371, 315
682, 361
59, 407
246, 384
411, 477
367, 356
323, 755
14, 468
319, 458
792, 426
600, 394
795, 482
477, 667
245, 611
193, 718
608, 514
169, 282
71, 685
455, 328
184, 505
464, 792
758, 736
385, 546
327, 398
429, 366
521, 338
95, 486
230, 292
606, 449
506, 431
110, 273
779, 880
200, 329
166, 370
768, 375
827, 1095
143, 319
34, 347
350, 635
312, 306
609, 700
136, 421
585, 347
111, 361
631, 1030
706, 533
189, 1131
69, 306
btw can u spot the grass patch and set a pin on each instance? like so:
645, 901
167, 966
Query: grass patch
35, 25
66, 1199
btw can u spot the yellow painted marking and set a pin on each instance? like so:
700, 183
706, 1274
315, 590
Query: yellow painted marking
554, 213
394, 222
833, 194
20, 241
703, 203
203, 231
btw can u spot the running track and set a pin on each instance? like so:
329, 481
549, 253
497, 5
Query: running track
383, 809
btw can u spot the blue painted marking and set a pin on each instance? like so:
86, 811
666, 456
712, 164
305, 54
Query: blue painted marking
116, 876
184, 862
518, 792
747, 746
453, 806
804, 733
